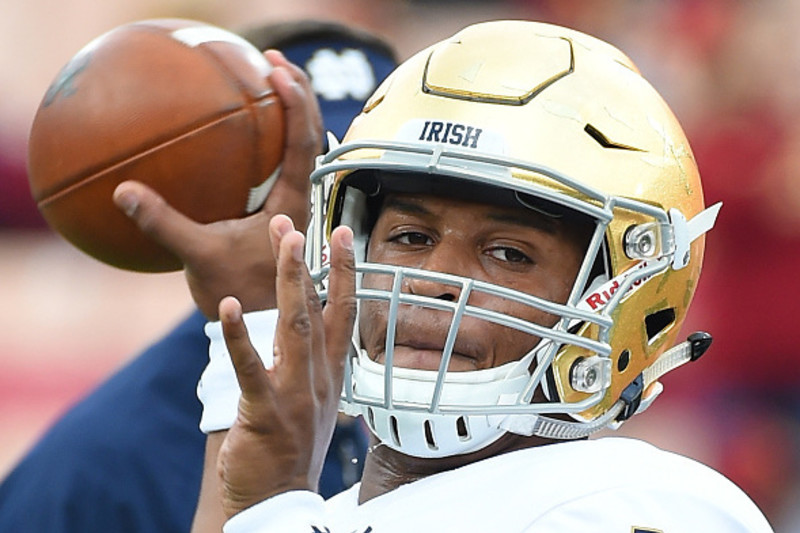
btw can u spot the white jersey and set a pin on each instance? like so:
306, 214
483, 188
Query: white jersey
604, 485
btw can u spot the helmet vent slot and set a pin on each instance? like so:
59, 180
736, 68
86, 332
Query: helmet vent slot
429, 438
462, 428
371, 418
605, 142
657, 322
395, 431
624, 360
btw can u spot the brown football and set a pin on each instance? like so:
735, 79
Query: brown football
182, 106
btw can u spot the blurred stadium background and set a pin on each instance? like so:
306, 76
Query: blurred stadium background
729, 69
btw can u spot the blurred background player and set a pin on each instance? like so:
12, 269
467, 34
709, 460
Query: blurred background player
129, 457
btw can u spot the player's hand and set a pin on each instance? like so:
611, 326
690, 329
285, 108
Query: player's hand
233, 257
287, 413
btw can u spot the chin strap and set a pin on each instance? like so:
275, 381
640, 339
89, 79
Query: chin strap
551, 428
635, 398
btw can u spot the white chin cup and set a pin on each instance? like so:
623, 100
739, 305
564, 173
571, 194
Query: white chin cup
410, 427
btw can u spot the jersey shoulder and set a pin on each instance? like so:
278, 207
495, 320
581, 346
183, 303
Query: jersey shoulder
608, 484
629, 485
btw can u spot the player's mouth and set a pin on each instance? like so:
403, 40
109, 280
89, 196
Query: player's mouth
425, 355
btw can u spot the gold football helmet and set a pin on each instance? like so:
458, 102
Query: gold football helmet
560, 121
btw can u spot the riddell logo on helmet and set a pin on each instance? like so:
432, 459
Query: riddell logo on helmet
599, 298
448, 132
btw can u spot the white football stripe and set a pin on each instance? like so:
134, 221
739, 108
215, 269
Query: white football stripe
197, 35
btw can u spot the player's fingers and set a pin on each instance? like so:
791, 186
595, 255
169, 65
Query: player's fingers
279, 225
250, 371
303, 143
294, 329
317, 337
276, 58
156, 218
303, 117
340, 308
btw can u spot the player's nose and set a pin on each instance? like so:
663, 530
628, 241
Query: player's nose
442, 258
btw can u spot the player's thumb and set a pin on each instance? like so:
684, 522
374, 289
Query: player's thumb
155, 217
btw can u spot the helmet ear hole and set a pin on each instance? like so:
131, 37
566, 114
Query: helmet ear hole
657, 322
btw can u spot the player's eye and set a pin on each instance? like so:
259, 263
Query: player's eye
412, 238
509, 255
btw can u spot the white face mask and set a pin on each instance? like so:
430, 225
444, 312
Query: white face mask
438, 413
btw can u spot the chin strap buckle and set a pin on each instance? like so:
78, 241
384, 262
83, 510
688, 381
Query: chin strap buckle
632, 396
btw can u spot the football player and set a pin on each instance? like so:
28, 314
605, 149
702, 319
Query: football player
501, 254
